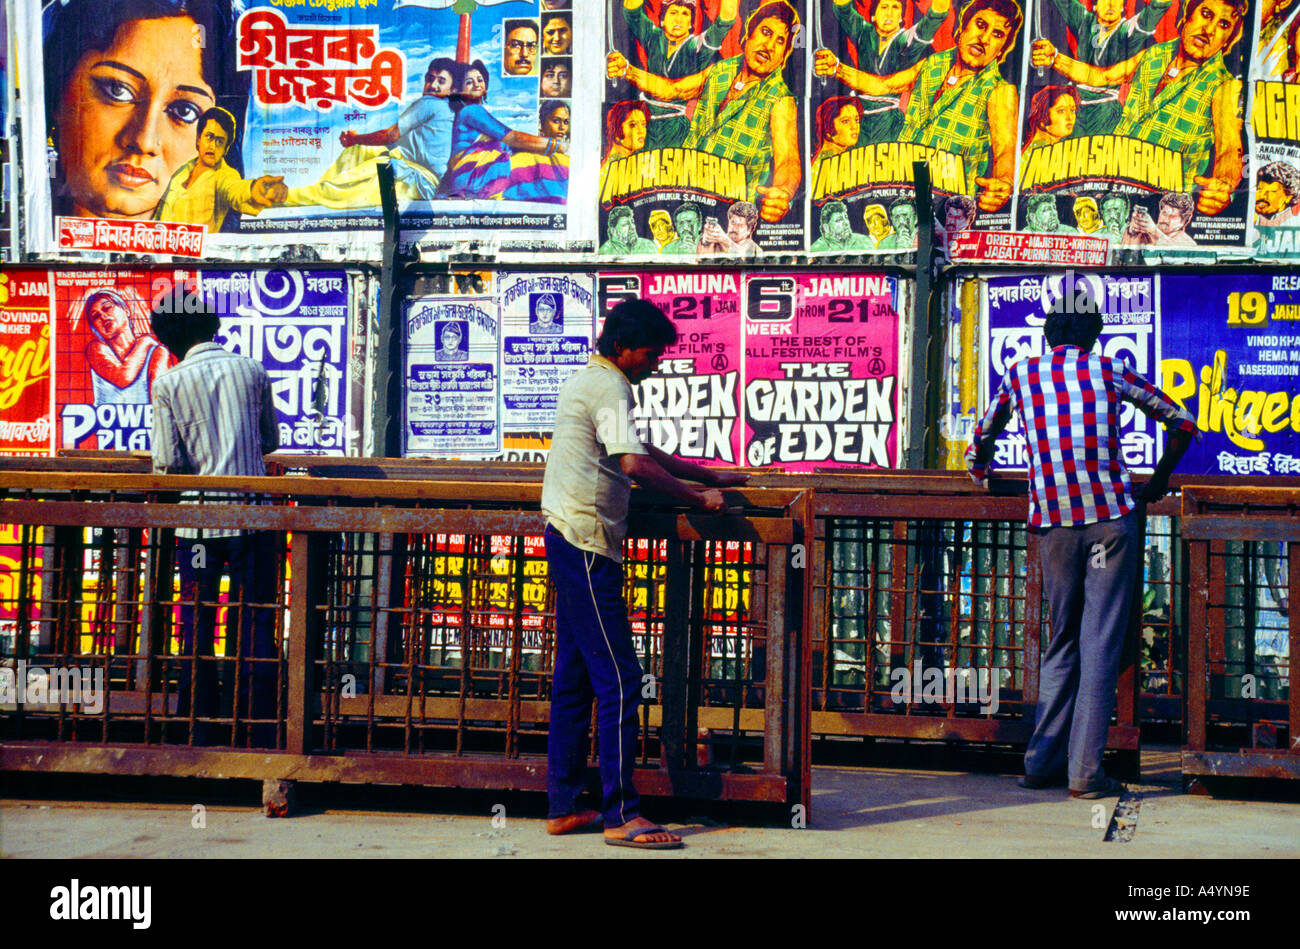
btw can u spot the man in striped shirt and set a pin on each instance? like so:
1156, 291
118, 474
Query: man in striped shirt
1081, 501
213, 415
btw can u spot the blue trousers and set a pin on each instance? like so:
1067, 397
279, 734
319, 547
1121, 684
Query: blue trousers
593, 658
250, 561
1089, 574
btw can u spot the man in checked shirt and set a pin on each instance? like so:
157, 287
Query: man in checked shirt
1081, 503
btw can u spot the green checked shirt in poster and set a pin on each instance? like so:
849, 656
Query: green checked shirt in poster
1179, 116
958, 120
884, 114
668, 122
1101, 106
740, 129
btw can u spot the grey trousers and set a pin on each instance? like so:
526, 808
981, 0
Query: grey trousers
1089, 574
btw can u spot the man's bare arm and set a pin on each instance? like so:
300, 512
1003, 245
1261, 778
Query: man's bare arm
1044, 54
825, 63
1217, 189
647, 472
1003, 107
787, 163
680, 468
617, 67
383, 138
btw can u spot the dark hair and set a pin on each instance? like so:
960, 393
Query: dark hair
546, 16
1041, 105
456, 99
1287, 175
871, 8
774, 9
617, 115
746, 211
1036, 201
178, 327
692, 5
1182, 203
511, 25
827, 113
549, 108
1063, 328
961, 203
1238, 6
617, 214
830, 209
688, 207
634, 324
222, 118
1011, 11
443, 63
903, 202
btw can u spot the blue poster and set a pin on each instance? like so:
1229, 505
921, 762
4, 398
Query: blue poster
1232, 357
1016, 309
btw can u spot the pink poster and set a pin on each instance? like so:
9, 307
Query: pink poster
690, 407
821, 371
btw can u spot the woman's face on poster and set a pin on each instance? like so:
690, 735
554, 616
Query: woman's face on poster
107, 318
633, 131
557, 125
1061, 117
127, 117
474, 86
845, 127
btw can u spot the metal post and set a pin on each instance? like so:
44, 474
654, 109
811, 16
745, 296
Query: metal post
920, 425
386, 415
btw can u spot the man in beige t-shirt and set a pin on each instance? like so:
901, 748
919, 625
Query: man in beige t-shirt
595, 455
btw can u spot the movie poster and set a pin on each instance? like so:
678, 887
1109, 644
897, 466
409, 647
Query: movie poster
453, 396
1016, 309
1275, 122
901, 81
1132, 123
546, 322
822, 371
25, 424
295, 323
702, 150
246, 122
690, 407
1231, 347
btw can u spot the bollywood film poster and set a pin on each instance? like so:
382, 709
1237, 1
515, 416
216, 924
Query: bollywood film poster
1015, 311
902, 81
702, 150
453, 403
107, 358
1132, 125
691, 406
822, 371
546, 322
196, 129
1275, 122
1231, 346
26, 427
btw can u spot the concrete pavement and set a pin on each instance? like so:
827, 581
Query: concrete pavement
857, 812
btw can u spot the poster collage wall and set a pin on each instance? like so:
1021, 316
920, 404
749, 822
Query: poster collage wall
643, 129
799, 371
78, 358
1226, 346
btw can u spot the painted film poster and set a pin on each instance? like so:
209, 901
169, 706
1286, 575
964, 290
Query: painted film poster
106, 357
453, 405
899, 81
1231, 347
1275, 121
702, 150
1132, 123
195, 128
821, 371
546, 322
25, 424
1016, 309
691, 406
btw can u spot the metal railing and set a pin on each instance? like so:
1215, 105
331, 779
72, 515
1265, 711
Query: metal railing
413, 629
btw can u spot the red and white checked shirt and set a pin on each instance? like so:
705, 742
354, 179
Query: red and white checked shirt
1068, 402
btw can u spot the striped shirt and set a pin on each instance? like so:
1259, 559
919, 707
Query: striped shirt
1068, 402
213, 415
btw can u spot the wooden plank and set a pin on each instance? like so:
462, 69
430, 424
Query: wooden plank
673, 688
1241, 527
776, 727
1293, 638
1198, 556
923, 507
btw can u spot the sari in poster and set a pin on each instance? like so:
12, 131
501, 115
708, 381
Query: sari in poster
701, 151
898, 82
274, 117
822, 371
1132, 124
690, 407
